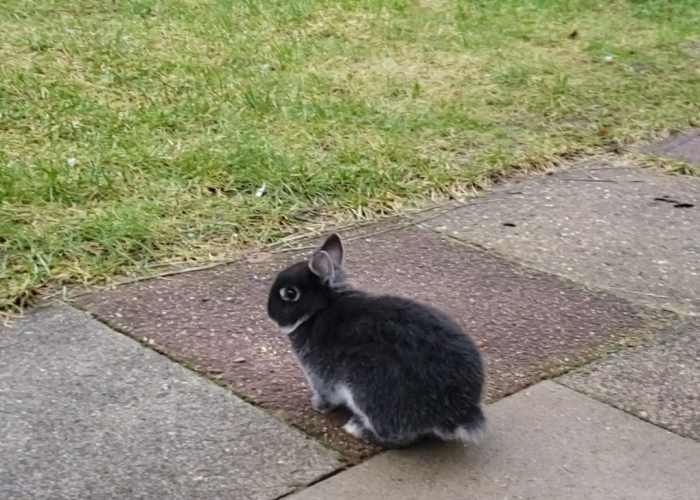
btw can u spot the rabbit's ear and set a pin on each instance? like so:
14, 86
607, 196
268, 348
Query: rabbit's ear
321, 265
334, 248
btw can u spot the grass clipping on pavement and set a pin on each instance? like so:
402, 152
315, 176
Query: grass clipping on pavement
136, 134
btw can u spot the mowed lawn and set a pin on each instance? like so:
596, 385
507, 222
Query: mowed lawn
135, 133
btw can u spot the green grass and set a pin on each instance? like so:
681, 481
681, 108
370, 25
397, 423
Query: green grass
177, 111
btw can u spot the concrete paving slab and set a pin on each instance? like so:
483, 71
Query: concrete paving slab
633, 231
658, 381
684, 147
86, 412
532, 324
548, 442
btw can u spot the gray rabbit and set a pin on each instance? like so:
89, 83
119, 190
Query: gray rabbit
405, 370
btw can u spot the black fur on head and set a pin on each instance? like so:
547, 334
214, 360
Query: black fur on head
306, 287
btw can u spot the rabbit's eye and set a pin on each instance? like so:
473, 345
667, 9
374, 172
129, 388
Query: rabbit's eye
290, 293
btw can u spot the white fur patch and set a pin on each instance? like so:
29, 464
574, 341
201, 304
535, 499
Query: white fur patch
474, 436
344, 396
445, 436
463, 435
289, 329
353, 429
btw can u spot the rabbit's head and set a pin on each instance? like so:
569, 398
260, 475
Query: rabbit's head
305, 288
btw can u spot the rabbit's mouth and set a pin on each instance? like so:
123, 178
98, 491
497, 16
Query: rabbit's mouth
289, 329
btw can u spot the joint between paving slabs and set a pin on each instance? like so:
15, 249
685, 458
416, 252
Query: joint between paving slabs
623, 409
653, 315
586, 359
594, 288
207, 376
298, 488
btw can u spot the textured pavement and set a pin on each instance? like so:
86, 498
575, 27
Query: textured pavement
86, 412
658, 381
531, 324
548, 442
684, 147
634, 232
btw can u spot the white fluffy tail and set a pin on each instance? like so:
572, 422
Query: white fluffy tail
473, 435
473, 432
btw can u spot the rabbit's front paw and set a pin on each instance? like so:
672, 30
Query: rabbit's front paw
321, 405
